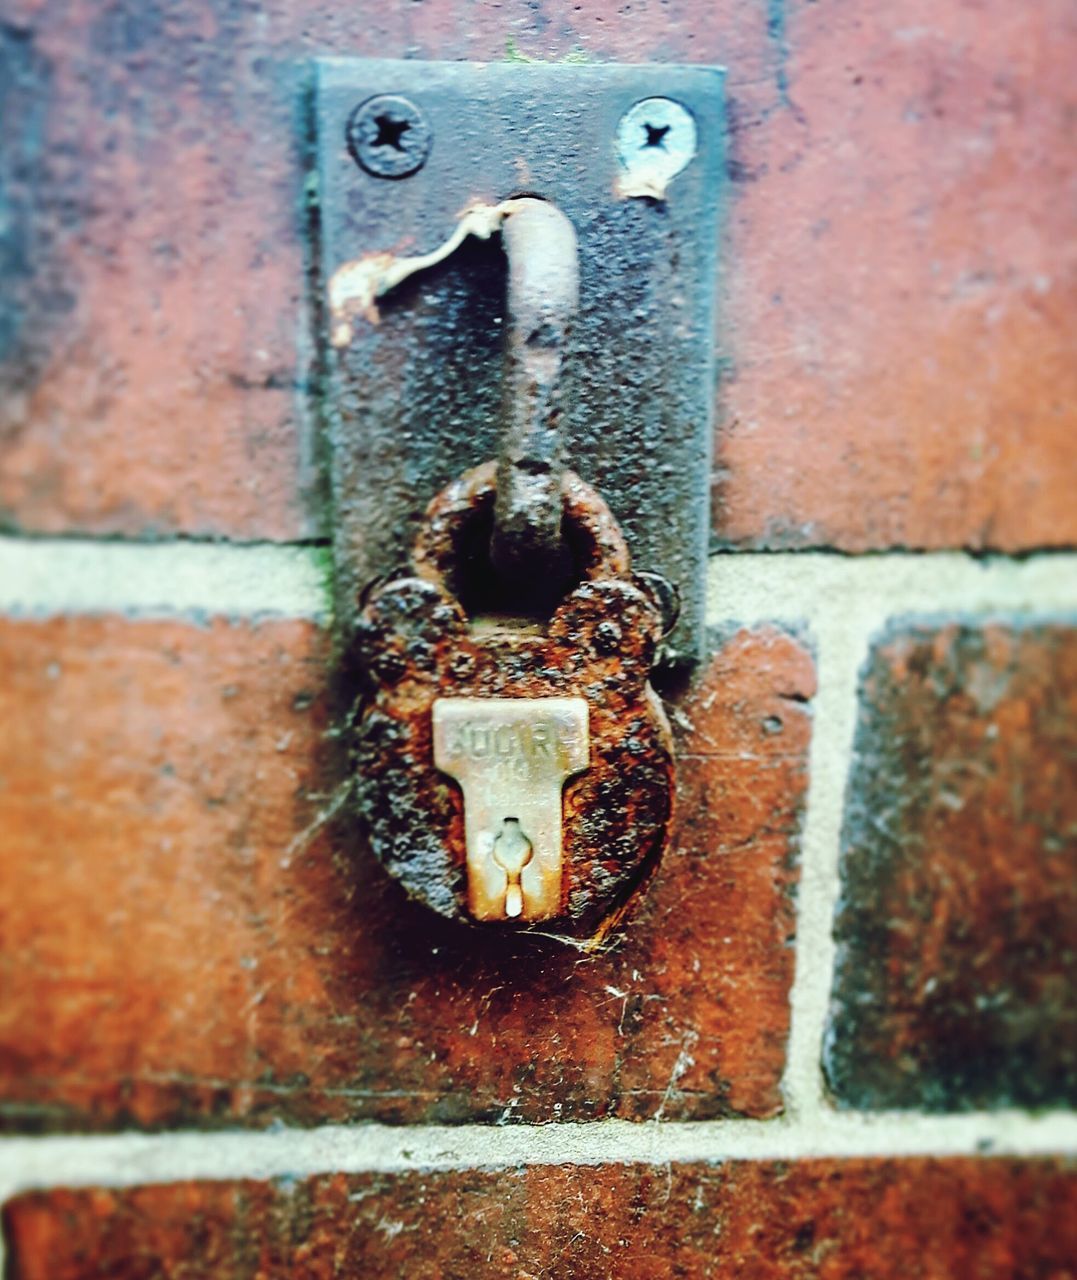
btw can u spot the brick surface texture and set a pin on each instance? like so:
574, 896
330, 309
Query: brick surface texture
957, 928
178, 953
194, 938
898, 280
887, 1219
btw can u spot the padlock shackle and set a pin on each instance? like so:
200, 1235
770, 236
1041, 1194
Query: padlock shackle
595, 542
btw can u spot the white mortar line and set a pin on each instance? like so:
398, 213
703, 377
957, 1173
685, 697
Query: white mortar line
86, 575
841, 644
131, 1159
48, 576
816, 585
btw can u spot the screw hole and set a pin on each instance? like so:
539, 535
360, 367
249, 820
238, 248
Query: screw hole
656, 135
390, 132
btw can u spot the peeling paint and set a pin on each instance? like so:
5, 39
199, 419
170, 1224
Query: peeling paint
355, 286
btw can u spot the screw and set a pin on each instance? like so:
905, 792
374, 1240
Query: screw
389, 136
655, 140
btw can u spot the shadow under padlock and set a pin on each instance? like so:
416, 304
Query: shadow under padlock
513, 763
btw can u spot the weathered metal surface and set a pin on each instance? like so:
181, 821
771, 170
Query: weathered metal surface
423, 637
512, 757
542, 296
416, 399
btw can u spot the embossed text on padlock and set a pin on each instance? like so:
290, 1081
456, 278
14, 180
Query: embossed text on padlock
512, 757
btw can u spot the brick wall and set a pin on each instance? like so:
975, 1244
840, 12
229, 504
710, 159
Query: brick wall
839, 1036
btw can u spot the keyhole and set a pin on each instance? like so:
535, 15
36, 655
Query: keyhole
656, 135
390, 132
512, 852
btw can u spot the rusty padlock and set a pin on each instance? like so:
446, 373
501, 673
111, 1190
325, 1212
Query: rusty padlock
514, 770
517, 768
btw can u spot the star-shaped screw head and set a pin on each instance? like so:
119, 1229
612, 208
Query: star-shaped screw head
656, 139
390, 132
389, 136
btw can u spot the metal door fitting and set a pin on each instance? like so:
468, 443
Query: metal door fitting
416, 165
558, 751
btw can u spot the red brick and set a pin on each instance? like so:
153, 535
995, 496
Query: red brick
898, 274
839, 1220
169, 961
958, 919
903, 291
156, 369
151, 775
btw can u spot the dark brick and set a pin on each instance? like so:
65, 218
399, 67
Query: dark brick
958, 919
839, 1220
176, 954
24, 257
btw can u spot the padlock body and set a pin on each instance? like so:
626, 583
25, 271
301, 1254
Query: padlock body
421, 652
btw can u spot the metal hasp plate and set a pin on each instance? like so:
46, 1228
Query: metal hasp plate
415, 398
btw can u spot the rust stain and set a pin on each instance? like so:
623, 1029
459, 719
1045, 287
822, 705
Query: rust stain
355, 286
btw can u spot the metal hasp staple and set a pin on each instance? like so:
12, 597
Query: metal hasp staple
634, 158
542, 297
